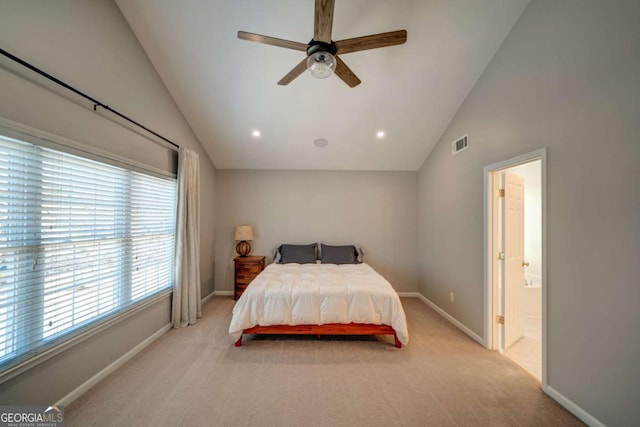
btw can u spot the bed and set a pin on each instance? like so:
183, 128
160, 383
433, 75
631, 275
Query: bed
319, 299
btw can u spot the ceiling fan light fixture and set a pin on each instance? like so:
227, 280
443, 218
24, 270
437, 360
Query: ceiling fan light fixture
321, 64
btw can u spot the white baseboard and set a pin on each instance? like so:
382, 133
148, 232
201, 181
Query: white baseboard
453, 320
570, 406
223, 293
84, 387
408, 294
208, 297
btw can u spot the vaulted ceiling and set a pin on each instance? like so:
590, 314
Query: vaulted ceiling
227, 88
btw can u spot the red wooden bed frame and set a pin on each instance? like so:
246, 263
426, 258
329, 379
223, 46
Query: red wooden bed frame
328, 329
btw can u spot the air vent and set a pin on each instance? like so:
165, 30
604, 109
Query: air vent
460, 144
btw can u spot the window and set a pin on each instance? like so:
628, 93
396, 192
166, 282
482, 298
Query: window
80, 241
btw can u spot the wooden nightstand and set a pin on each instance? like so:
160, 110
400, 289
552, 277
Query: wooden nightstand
246, 269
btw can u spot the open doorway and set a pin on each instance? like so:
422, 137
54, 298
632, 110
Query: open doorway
515, 285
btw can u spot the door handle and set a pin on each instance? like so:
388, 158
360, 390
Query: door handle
525, 263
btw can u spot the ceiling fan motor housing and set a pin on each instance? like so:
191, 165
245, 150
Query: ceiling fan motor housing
315, 46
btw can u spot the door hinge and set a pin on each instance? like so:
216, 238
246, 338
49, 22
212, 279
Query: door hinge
500, 192
500, 256
500, 320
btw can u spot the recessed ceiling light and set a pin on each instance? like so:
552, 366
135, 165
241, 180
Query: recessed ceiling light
320, 142
380, 134
256, 133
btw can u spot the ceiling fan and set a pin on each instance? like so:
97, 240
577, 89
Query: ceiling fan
322, 52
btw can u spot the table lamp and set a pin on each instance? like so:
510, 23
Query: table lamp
243, 233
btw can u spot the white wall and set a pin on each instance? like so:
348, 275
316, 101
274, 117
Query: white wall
530, 172
377, 210
88, 44
568, 78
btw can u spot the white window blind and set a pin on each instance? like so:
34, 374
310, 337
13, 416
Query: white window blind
80, 241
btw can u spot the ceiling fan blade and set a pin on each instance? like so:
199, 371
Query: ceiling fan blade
371, 42
297, 70
346, 74
272, 41
323, 21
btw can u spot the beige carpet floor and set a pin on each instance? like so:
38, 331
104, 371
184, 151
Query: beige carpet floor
195, 377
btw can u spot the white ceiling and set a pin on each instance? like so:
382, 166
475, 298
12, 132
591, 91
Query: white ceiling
226, 87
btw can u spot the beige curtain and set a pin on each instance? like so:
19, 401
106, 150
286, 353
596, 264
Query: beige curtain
186, 307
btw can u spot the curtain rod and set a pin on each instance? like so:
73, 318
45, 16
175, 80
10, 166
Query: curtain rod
95, 102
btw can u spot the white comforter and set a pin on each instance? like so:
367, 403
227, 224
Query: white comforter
317, 294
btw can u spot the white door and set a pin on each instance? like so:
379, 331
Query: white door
513, 289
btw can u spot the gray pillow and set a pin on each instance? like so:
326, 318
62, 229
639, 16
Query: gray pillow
339, 254
301, 254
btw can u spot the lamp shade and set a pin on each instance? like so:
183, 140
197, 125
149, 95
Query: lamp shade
243, 232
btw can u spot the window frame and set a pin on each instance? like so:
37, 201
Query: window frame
75, 336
